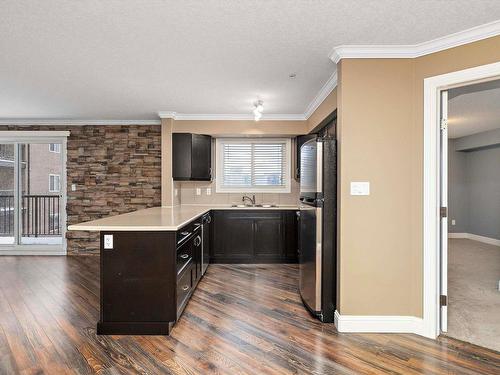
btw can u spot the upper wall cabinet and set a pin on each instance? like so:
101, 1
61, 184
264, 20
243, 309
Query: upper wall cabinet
192, 157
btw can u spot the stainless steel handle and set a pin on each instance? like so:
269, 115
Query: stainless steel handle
209, 219
185, 256
197, 241
185, 233
185, 287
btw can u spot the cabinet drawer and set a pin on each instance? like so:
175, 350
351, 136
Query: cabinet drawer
184, 287
184, 256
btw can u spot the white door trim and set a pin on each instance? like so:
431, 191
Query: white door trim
431, 262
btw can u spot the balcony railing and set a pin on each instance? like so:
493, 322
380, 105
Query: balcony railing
39, 215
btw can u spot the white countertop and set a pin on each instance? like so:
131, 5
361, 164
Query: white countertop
160, 218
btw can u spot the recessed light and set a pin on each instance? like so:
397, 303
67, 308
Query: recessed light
292, 75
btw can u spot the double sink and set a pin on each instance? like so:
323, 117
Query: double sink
254, 205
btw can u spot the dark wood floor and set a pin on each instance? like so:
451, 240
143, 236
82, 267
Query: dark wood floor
241, 320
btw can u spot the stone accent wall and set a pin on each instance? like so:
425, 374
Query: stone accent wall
116, 169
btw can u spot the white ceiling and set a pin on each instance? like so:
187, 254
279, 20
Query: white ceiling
129, 59
474, 109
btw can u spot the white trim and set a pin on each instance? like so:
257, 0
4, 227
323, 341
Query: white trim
75, 122
32, 250
431, 262
475, 237
378, 323
327, 88
5, 134
416, 50
230, 117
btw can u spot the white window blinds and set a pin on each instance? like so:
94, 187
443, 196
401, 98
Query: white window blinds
253, 165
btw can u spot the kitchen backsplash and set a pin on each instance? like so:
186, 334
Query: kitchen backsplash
188, 195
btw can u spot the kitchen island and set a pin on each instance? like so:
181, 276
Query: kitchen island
152, 260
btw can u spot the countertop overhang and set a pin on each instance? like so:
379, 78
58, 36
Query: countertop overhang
160, 218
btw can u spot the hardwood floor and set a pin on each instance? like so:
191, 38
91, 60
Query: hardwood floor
242, 319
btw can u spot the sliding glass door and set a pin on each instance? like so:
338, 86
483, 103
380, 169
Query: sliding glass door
32, 195
7, 202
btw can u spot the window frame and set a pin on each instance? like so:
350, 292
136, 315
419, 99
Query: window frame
57, 148
220, 188
59, 178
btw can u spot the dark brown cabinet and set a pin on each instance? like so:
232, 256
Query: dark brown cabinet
191, 157
137, 278
148, 278
254, 236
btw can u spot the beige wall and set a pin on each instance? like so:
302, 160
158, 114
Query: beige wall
239, 128
186, 191
324, 109
188, 195
380, 131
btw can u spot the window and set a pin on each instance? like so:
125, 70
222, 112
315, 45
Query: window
253, 165
55, 147
54, 183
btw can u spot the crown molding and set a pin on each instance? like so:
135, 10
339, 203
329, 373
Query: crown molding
76, 122
416, 50
327, 88
230, 117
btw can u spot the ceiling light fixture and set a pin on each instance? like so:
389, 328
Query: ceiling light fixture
258, 109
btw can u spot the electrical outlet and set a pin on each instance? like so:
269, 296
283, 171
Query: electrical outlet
73, 187
209, 191
453, 222
108, 241
198, 191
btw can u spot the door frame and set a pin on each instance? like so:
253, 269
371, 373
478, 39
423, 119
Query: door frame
431, 184
37, 136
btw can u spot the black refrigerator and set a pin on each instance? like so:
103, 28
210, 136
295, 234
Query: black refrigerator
318, 227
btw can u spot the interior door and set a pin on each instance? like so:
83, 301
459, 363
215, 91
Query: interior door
444, 211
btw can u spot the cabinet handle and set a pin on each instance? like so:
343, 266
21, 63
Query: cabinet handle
184, 256
185, 287
185, 233
197, 241
209, 219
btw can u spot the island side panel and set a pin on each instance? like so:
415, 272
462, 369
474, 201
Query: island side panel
138, 283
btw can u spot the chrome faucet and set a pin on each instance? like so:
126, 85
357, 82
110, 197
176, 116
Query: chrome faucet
246, 197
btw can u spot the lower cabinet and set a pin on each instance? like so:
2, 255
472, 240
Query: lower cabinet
254, 236
148, 278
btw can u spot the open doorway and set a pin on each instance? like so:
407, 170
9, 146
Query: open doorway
473, 220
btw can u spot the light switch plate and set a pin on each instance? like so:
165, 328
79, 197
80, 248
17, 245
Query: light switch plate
176, 192
360, 188
198, 191
209, 191
108, 241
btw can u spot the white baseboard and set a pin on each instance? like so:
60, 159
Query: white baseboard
475, 237
379, 324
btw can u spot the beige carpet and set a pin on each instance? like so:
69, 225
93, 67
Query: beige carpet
474, 299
